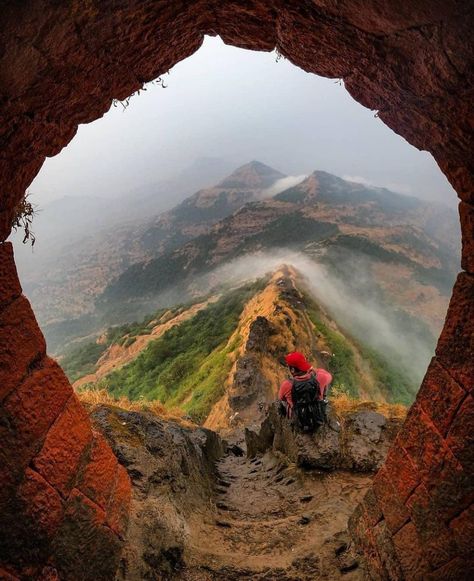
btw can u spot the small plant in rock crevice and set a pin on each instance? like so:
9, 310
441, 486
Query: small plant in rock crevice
126, 102
23, 216
278, 56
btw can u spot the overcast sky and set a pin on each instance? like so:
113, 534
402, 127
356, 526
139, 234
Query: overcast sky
238, 105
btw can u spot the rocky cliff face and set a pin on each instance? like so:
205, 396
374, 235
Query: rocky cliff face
173, 473
64, 500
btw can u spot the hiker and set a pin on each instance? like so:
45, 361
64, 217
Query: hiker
304, 396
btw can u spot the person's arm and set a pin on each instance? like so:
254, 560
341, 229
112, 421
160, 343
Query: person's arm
285, 388
324, 379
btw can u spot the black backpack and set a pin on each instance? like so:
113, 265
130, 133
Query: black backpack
308, 408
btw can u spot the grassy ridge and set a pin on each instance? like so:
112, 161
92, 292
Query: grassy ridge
342, 365
188, 365
391, 381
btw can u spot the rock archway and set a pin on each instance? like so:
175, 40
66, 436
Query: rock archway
64, 498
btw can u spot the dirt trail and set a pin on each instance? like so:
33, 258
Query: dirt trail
269, 520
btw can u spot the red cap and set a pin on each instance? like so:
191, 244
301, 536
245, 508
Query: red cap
298, 360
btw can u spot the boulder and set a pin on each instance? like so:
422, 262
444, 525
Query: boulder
360, 443
172, 469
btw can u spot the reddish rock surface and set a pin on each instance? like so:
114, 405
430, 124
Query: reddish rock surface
42, 504
66, 444
64, 498
61, 64
10, 288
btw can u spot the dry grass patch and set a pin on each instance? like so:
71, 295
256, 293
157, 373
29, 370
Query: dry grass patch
92, 398
343, 404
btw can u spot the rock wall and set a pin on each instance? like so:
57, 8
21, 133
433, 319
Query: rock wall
249, 383
64, 499
61, 64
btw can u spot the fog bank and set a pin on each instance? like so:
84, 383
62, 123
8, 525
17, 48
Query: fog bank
372, 323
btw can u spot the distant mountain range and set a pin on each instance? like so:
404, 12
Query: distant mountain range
398, 253
323, 215
85, 242
196, 214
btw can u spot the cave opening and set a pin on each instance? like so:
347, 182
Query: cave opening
124, 169
391, 61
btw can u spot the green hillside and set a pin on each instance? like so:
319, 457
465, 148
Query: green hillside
188, 365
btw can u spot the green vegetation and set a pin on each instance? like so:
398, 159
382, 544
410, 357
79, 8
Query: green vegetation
120, 334
370, 248
188, 365
294, 195
342, 366
290, 230
440, 278
60, 333
82, 360
23, 215
207, 384
335, 190
189, 211
391, 380
161, 273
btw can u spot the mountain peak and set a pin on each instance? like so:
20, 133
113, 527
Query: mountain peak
254, 174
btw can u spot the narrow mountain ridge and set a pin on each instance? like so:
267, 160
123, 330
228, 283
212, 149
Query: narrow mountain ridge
120, 275
219, 360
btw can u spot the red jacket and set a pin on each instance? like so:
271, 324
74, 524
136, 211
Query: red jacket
324, 379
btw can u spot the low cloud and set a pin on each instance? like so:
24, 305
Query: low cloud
282, 184
367, 320
394, 186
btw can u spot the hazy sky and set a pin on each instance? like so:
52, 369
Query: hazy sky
238, 105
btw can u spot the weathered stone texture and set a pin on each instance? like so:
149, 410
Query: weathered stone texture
30, 411
42, 503
21, 344
410, 556
455, 350
119, 503
360, 445
440, 397
402, 471
84, 541
425, 490
47, 446
466, 213
64, 447
98, 478
62, 64
394, 511
10, 288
